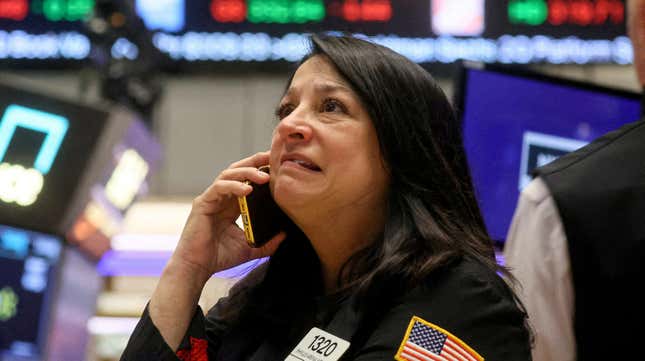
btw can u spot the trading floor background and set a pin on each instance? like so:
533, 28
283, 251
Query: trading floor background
190, 87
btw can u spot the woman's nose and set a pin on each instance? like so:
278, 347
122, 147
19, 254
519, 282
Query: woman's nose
295, 128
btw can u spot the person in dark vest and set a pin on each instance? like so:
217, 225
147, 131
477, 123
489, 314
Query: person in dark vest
577, 241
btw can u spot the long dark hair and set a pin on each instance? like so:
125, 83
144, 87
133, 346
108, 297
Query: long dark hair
432, 217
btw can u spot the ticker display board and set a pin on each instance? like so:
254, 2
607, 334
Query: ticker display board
506, 31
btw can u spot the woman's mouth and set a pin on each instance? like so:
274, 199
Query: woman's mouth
303, 163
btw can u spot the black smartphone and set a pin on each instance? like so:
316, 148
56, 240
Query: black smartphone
262, 218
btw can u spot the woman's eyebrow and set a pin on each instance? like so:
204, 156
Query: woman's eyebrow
332, 87
326, 87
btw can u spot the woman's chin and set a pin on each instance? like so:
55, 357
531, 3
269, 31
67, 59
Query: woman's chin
288, 198
291, 198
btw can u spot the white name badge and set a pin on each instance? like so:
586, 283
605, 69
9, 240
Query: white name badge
319, 345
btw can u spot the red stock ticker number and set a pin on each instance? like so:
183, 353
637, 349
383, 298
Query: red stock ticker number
14, 9
366, 10
586, 12
228, 11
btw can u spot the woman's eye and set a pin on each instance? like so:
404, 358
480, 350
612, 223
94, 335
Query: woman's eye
283, 111
332, 105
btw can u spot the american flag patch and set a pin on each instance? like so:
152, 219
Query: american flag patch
424, 341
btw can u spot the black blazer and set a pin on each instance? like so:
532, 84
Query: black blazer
465, 298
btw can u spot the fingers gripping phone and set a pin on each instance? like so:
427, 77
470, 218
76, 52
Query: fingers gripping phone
262, 218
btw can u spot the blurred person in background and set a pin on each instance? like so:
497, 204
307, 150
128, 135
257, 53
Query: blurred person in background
387, 254
577, 241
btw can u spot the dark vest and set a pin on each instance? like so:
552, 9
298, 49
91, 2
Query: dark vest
599, 191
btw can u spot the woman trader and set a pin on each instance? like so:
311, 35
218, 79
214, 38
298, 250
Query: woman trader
387, 258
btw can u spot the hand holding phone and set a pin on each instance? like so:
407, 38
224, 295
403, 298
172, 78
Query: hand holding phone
262, 218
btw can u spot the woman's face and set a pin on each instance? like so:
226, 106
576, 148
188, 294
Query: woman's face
325, 153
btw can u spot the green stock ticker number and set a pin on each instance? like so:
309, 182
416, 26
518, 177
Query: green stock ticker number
531, 12
285, 11
8, 303
63, 10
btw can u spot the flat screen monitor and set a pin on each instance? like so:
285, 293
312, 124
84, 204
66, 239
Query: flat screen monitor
515, 120
29, 262
46, 150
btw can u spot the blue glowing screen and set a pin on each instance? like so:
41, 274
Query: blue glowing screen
54, 137
53, 126
28, 266
513, 123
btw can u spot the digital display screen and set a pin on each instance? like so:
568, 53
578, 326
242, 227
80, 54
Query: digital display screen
124, 176
133, 160
28, 269
46, 146
514, 31
514, 122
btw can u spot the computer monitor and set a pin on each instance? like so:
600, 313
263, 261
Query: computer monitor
29, 263
48, 156
515, 120
70, 169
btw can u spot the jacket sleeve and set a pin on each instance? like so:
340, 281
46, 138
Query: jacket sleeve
205, 333
468, 316
199, 343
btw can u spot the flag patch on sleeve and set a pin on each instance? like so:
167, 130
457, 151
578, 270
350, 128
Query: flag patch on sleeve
197, 352
425, 341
